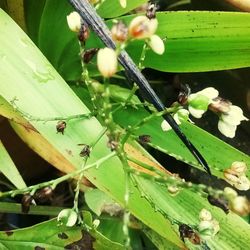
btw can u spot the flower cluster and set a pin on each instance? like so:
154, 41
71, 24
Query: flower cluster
236, 176
208, 226
230, 116
140, 28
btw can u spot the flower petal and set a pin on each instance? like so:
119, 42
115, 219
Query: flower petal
107, 62
74, 21
197, 113
227, 129
209, 92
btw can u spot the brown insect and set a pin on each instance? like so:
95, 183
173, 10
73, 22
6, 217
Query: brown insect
60, 127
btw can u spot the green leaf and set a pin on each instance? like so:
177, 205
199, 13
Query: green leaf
195, 41
33, 13
36, 90
53, 98
49, 235
96, 199
112, 8
209, 145
8, 168
199, 41
56, 40
188, 205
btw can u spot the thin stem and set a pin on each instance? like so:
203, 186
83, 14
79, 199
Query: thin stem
16, 208
55, 182
143, 56
89, 15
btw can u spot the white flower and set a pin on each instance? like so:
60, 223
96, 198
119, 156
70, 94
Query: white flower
74, 21
123, 3
180, 116
236, 176
67, 217
156, 44
198, 102
107, 62
229, 121
141, 27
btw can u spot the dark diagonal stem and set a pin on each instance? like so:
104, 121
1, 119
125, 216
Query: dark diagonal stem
89, 15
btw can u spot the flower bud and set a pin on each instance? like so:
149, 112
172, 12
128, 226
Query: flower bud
156, 44
141, 27
67, 217
107, 62
74, 21
173, 190
205, 215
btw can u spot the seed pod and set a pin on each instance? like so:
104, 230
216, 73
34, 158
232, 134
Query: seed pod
144, 139
220, 202
183, 94
85, 151
83, 33
44, 194
112, 144
151, 11
60, 127
89, 54
26, 202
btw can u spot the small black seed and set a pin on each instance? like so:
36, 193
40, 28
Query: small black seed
9, 233
39, 248
220, 202
63, 236
60, 127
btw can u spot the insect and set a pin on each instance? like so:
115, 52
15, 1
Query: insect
95, 22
